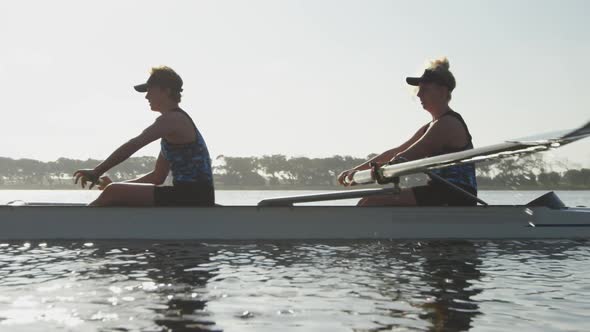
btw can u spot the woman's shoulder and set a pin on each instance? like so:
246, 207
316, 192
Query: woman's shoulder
446, 125
173, 116
451, 119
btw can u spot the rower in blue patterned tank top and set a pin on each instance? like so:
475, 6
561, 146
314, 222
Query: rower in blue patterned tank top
446, 133
183, 152
189, 162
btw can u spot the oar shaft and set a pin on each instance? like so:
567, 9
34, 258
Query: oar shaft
496, 151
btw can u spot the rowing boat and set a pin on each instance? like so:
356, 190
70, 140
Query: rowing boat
282, 218
33, 222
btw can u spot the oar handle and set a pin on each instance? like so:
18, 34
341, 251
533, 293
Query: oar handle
364, 177
371, 175
360, 177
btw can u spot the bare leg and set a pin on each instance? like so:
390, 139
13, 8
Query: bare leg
126, 194
404, 198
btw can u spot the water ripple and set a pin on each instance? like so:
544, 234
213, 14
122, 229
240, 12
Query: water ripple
299, 286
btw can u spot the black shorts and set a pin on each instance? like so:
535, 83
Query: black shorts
434, 194
185, 194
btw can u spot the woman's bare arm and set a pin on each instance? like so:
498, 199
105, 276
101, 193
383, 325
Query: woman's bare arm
447, 132
389, 154
345, 178
160, 128
157, 176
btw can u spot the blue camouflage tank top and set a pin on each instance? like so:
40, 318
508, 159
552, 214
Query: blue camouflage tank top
463, 175
190, 162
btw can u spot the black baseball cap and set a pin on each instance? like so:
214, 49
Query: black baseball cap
434, 76
163, 77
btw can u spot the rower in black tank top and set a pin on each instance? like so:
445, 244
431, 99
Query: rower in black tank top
463, 176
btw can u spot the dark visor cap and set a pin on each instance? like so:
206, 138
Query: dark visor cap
163, 79
431, 76
141, 87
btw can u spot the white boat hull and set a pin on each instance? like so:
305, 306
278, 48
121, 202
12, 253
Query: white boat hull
300, 222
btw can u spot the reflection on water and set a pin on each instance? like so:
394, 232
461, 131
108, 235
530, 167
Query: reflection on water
123, 286
303, 286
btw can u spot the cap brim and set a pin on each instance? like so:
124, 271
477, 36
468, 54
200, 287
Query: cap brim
415, 81
141, 87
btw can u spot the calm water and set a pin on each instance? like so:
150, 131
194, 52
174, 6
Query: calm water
295, 286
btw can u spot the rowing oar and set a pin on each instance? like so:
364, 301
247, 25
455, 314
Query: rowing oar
511, 148
375, 174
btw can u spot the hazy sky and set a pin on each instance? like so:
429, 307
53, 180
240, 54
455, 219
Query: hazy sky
301, 78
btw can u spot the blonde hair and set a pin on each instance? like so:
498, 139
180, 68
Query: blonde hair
441, 66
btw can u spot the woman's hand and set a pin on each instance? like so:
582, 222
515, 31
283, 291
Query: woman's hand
345, 178
397, 159
86, 175
103, 182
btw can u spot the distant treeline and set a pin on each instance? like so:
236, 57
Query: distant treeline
282, 172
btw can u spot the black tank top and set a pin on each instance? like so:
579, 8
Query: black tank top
464, 174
